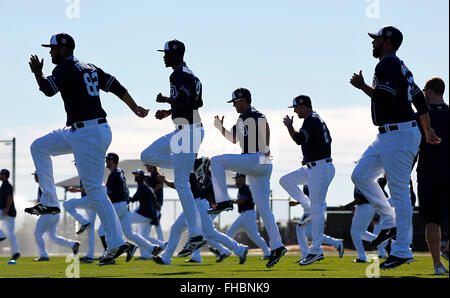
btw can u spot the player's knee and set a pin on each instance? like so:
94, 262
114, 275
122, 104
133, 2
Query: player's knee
283, 181
36, 146
356, 177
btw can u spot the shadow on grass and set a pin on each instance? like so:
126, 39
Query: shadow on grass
173, 273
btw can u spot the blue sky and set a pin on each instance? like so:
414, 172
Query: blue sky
277, 49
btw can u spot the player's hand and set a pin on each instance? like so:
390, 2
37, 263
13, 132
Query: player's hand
293, 203
431, 137
161, 98
36, 65
140, 111
342, 207
218, 123
72, 189
357, 80
288, 121
161, 114
161, 178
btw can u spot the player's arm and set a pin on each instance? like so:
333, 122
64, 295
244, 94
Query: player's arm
229, 135
357, 81
154, 199
163, 179
48, 85
9, 201
422, 108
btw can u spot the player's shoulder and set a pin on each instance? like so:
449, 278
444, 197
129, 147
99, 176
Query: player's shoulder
182, 72
253, 112
389, 61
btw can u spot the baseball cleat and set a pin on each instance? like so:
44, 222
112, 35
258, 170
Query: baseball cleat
41, 259
263, 258
191, 260
243, 257
306, 219
215, 251
275, 256
3, 238
112, 254
40, 209
393, 262
383, 236
159, 261
440, 270
341, 248
311, 258
87, 260
157, 250
359, 261
444, 254
83, 228
220, 258
75, 248
130, 251
221, 206
192, 245
15, 256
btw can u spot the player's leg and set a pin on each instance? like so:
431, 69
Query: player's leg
9, 224
71, 207
91, 215
235, 226
220, 163
159, 231
42, 226
249, 221
143, 228
51, 233
382, 247
361, 219
290, 183
159, 152
302, 239
52, 144
178, 227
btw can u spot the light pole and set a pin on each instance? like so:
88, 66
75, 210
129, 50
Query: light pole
13, 143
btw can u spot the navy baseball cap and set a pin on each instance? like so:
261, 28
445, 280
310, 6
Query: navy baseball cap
174, 46
240, 94
389, 32
239, 175
301, 100
5, 172
139, 172
61, 39
113, 156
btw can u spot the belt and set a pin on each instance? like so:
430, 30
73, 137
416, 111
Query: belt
184, 126
317, 162
392, 127
81, 124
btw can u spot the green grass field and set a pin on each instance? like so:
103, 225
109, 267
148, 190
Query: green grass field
330, 267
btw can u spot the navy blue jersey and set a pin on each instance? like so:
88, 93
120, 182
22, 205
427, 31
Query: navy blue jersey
249, 130
186, 91
359, 197
315, 139
116, 186
6, 190
79, 84
245, 194
394, 90
153, 182
433, 164
144, 196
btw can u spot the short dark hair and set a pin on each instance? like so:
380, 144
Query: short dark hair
113, 156
436, 84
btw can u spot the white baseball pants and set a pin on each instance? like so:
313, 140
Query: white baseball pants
88, 145
258, 173
9, 224
247, 220
143, 229
289, 182
362, 217
178, 150
393, 152
47, 223
304, 233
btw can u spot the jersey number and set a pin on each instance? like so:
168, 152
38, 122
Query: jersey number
325, 133
91, 81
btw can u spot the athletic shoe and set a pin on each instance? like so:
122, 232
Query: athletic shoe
340, 248
298, 261
215, 251
41, 259
360, 261
221, 206
393, 262
87, 260
440, 270
191, 260
15, 256
275, 256
220, 258
3, 238
157, 250
243, 257
306, 219
130, 252
444, 254
159, 261
384, 235
310, 258
40, 209
201, 168
83, 228
263, 258
75, 248
112, 254
192, 245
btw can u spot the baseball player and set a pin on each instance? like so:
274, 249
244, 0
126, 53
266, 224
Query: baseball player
87, 134
213, 236
253, 134
8, 213
318, 170
157, 187
304, 233
145, 213
47, 224
118, 193
178, 149
396, 145
247, 215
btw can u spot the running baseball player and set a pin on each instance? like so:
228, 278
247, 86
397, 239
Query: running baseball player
213, 236
396, 145
178, 149
47, 224
304, 233
247, 216
87, 134
151, 181
253, 134
8, 213
317, 171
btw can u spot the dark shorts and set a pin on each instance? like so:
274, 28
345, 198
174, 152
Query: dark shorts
433, 201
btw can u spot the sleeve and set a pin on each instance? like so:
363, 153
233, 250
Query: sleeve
54, 83
243, 194
178, 90
109, 83
419, 101
386, 76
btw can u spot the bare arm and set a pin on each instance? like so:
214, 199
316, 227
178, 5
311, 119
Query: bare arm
9, 200
218, 123
357, 81
138, 110
430, 135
